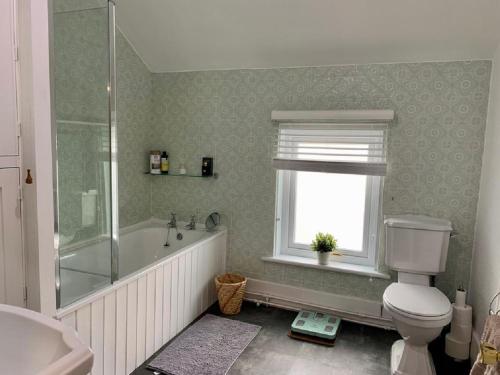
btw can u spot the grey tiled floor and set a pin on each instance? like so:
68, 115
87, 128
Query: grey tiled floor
359, 349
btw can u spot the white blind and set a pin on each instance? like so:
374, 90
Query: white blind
333, 144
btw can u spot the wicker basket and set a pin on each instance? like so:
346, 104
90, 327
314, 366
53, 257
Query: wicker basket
230, 291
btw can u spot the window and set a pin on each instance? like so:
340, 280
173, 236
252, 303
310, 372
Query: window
345, 205
329, 180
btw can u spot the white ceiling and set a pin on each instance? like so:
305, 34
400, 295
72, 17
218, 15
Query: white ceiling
183, 35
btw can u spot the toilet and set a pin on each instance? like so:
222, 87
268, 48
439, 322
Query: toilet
416, 247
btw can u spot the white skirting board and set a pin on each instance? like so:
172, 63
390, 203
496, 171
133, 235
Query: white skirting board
126, 324
293, 298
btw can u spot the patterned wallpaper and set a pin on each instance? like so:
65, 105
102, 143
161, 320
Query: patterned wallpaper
435, 149
134, 118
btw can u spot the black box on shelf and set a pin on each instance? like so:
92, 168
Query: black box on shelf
207, 166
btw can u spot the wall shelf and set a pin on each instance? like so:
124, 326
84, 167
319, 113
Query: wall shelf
214, 176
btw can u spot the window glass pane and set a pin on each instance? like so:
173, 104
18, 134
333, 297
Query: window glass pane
333, 203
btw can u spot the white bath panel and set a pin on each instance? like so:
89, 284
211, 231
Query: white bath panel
97, 335
141, 320
194, 285
83, 323
132, 306
150, 314
70, 320
167, 285
158, 340
205, 271
181, 293
174, 299
121, 331
187, 289
109, 333
128, 322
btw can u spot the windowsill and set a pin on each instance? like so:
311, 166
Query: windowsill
355, 269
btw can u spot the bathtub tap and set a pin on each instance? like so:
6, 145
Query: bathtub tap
192, 223
172, 224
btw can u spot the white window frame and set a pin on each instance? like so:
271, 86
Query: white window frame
285, 222
288, 163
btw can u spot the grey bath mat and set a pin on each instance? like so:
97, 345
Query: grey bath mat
208, 347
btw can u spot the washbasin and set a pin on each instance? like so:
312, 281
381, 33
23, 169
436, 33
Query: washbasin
34, 344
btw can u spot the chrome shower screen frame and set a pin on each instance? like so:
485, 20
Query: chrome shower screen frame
113, 149
115, 225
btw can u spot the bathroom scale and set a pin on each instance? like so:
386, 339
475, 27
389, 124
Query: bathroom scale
315, 327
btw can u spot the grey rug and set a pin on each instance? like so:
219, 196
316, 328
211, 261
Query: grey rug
209, 347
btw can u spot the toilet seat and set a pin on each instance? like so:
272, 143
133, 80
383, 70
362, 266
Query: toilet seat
418, 304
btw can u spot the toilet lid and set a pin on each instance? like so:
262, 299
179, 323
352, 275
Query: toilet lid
417, 299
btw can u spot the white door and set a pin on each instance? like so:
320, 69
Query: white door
11, 249
8, 111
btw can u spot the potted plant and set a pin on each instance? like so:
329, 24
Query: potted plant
324, 244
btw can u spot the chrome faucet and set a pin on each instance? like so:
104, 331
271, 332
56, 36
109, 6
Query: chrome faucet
192, 223
172, 224
173, 221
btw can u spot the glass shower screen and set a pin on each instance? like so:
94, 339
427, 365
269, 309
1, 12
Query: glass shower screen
83, 41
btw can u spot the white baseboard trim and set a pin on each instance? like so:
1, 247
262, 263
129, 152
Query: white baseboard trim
352, 309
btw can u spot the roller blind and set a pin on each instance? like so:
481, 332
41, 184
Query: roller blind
348, 142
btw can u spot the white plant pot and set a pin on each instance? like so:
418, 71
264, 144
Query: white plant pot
323, 258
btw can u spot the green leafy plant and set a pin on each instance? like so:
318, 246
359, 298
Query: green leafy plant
324, 243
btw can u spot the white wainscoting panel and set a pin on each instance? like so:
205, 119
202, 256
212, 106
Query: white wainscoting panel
141, 321
158, 330
97, 334
121, 331
167, 287
131, 326
150, 314
173, 300
129, 321
109, 333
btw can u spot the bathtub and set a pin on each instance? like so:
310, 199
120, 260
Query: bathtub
151, 239
86, 267
160, 291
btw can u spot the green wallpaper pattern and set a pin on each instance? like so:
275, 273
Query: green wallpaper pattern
134, 119
435, 149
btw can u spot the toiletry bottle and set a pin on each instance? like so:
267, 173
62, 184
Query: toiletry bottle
155, 161
164, 162
182, 169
